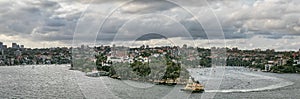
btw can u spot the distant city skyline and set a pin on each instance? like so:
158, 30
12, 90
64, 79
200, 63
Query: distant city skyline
138, 45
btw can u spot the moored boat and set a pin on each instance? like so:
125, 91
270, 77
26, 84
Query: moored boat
193, 86
96, 73
116, 77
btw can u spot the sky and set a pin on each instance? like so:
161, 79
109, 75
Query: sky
247, 24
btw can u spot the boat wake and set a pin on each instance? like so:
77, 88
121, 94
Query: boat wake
282, 83
271, 87
246, 76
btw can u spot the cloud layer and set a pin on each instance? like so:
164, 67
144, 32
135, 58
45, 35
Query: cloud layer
57, 20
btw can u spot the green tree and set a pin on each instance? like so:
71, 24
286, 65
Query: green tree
101, 58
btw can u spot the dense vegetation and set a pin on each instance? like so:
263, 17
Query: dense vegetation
171, 66
160, 68
288, 68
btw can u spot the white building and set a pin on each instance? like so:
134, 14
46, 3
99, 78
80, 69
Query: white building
269, 65
143, 59
296, 62
281, 62
115, 59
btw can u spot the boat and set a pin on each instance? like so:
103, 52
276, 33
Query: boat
193, 86
170, 82
116, 77
96, 73
159, 82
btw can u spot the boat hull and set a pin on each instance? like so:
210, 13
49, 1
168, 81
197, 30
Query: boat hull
193, 91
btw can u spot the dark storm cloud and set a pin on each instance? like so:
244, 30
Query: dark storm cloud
156, 24
131, 10
151, 36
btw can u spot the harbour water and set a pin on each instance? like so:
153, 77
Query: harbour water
57, 81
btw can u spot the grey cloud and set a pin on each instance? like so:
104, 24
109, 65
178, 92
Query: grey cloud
49, 20
56, 22
146, 6
117, 21
151, 24
256, 17
38, 20
151, 36
262, 19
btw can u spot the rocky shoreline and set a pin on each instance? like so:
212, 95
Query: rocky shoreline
177, 81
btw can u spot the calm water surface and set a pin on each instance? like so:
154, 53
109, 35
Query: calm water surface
56, 81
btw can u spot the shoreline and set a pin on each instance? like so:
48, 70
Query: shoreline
172, 83
254, 69
156, 82
35, 65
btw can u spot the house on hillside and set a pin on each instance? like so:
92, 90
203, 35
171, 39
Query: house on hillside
269, 65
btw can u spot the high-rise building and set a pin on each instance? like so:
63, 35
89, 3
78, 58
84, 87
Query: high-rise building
14, 45
2, 53
1, 49
82, 46
1, 45
4, 46
184, 46
114, 50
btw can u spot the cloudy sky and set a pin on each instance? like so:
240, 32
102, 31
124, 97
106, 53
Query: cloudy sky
246, 24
